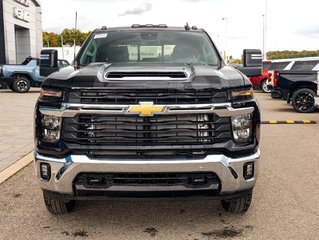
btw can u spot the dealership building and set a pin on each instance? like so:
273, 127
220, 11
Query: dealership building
20, 30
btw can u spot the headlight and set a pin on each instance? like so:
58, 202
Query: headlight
242, 127
51, 126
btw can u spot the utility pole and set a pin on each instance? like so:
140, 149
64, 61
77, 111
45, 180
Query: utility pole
76, 26
265, 31
226, 38
62, 47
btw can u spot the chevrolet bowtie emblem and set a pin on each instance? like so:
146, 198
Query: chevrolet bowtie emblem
146, 109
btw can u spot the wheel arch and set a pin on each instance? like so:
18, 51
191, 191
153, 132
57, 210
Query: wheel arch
303, 84
261, 81
26, 74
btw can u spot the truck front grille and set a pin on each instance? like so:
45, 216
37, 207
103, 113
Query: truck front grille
157, 96
160, 132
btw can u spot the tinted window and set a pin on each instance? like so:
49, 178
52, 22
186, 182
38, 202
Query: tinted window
26, 61
63, 63
266, 65
151, 46
304, 65
278, 65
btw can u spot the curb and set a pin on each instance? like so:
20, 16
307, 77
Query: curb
289, 122
16, 167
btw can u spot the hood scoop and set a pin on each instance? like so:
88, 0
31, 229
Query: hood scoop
148, 73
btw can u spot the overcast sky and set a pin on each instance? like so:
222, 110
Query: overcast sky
291, 25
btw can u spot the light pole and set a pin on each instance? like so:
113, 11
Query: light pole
264, 54
265, 31
226, 38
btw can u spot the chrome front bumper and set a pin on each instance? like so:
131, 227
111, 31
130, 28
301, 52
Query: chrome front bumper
63, 171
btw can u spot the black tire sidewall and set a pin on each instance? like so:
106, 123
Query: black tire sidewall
17, 80
293, 100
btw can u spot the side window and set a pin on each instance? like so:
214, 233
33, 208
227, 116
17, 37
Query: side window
304, 65
266, 65
89, 54
278, 65
63, 63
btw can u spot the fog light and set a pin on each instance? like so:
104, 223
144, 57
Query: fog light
249, 170
45, 171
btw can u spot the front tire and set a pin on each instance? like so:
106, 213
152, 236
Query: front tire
21, 84
264, 86
239, 204
57, 207
303, 100
11, 88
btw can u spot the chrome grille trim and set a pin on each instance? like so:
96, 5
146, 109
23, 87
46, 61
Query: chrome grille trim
71, 109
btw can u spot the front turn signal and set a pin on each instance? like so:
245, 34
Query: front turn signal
242, 94
50, 93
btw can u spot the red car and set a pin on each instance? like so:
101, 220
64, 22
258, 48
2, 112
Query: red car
260, 82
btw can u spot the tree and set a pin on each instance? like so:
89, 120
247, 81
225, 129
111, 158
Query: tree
68, 35
51, 39
291, 54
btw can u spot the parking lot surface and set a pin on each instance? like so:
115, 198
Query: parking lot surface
284, 203
16, 124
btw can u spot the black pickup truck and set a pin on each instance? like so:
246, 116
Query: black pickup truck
148, 111
297, 87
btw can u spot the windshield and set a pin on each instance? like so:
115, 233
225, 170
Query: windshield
151, 46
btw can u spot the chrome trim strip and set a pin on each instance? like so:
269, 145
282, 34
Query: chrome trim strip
127, 162
71, 110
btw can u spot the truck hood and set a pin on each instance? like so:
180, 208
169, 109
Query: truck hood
123, 76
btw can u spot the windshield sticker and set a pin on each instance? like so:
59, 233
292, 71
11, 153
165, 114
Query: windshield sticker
104, 35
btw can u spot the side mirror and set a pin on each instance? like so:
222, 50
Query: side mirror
252, 63
48, 62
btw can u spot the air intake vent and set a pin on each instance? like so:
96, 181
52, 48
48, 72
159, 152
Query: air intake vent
145, 75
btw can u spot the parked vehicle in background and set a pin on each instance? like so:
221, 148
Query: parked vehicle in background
298, 87
317, 96
19, 78
260, 82
277, 65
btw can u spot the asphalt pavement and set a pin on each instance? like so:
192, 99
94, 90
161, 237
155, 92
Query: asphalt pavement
284, 203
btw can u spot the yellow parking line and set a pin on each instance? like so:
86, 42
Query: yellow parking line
290, 121
306, 121
272, 121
